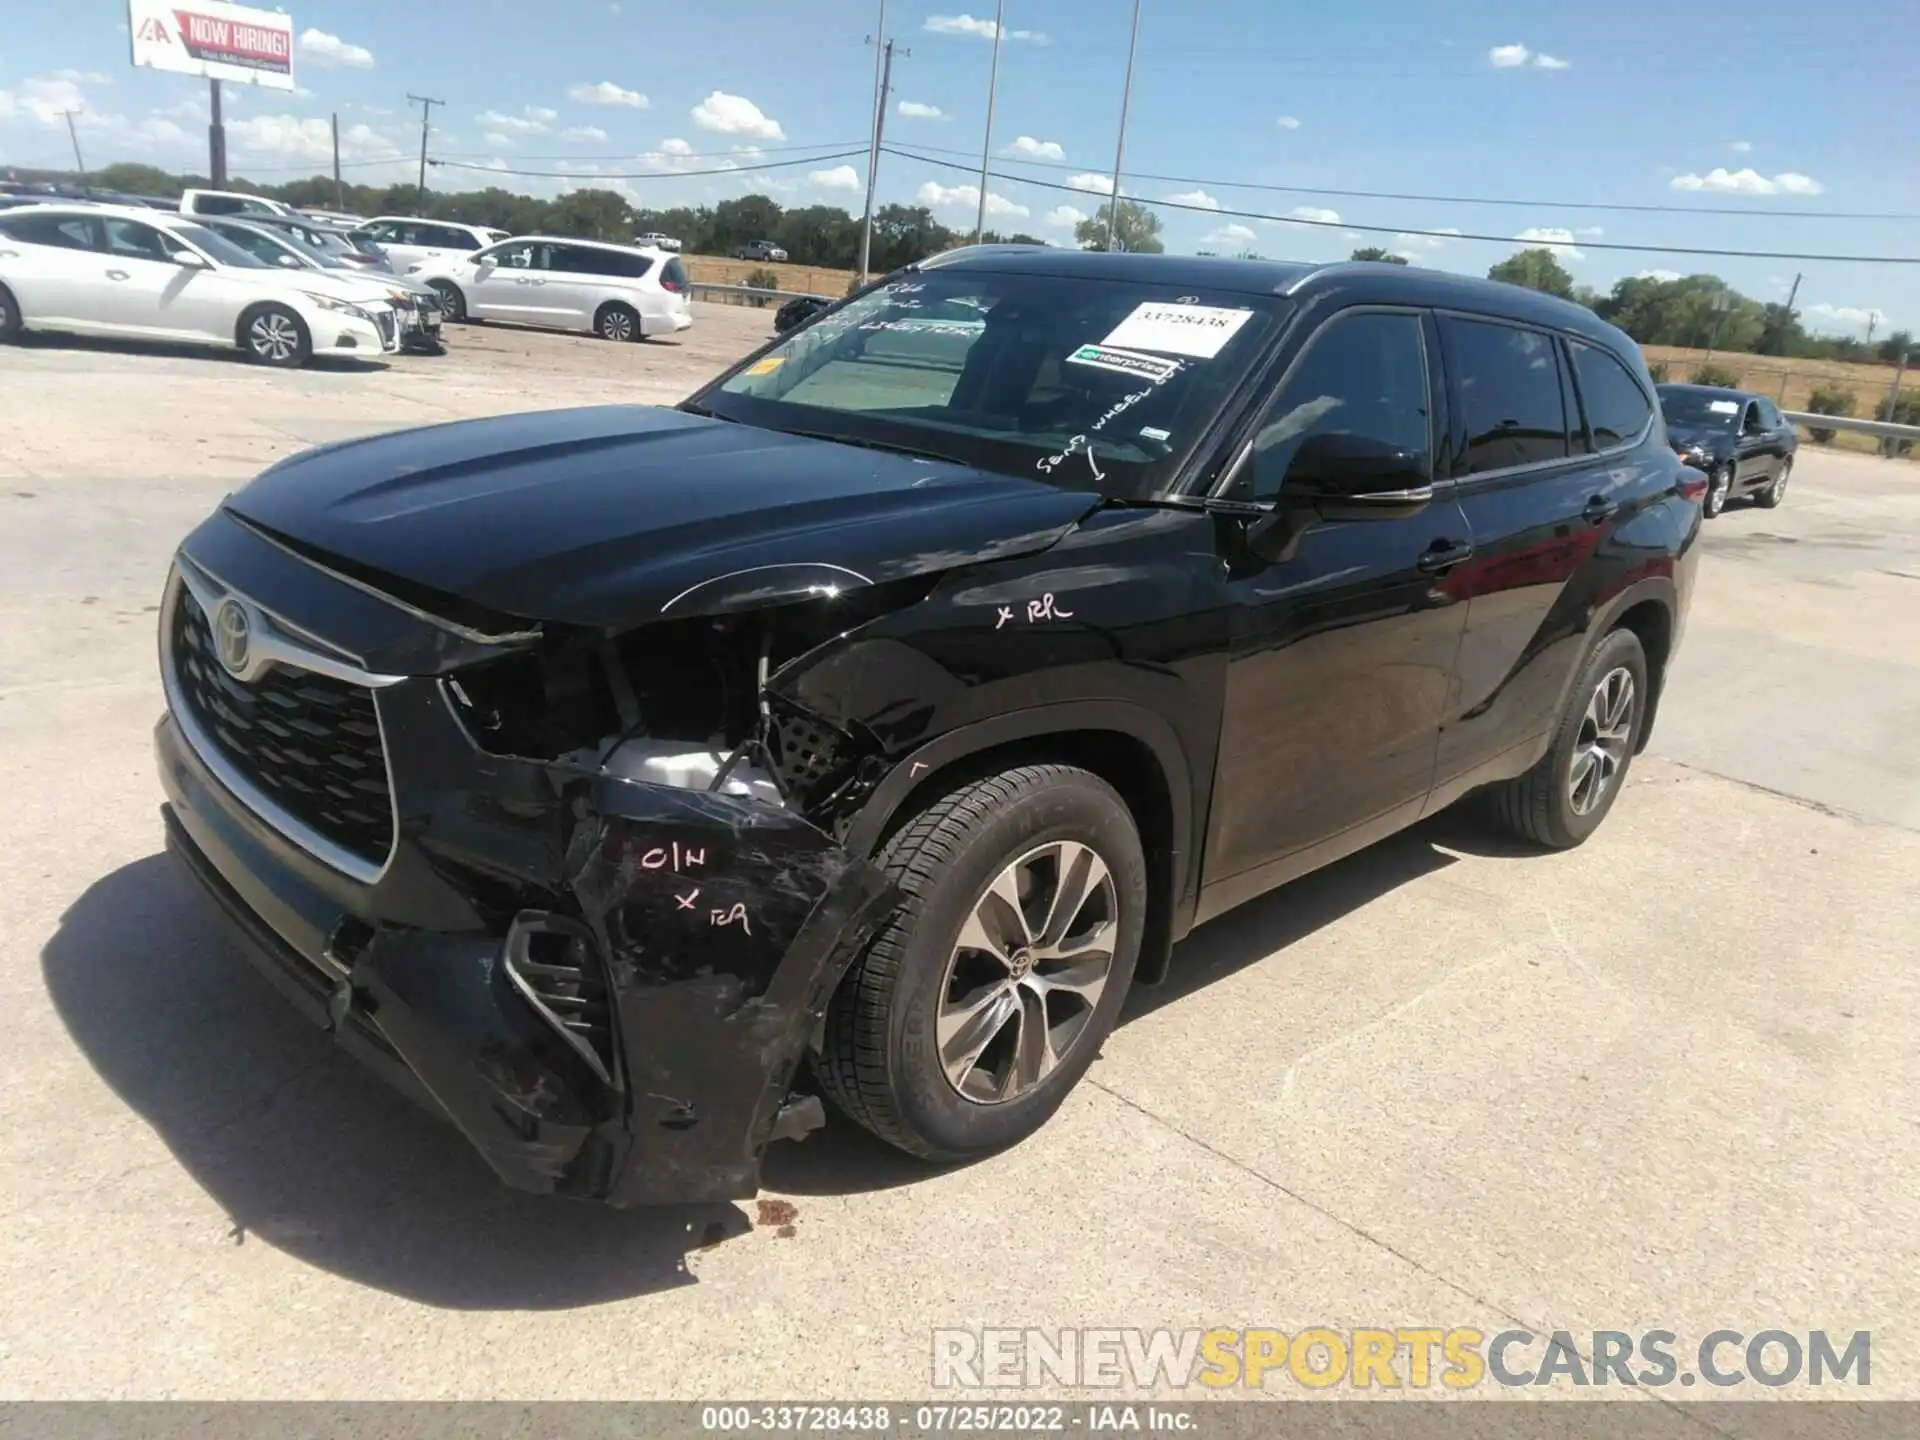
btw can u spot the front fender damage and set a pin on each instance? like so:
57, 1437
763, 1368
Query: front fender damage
639, 1048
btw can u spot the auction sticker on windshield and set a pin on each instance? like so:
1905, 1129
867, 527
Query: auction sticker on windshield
1723, 407
1201, 331
1125, 362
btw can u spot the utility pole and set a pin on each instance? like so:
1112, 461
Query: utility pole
74, 135
1873, 319
339, 196
426, 104
1120, 151
1889, 446
986, 144
879, 42
879, 131
216, 140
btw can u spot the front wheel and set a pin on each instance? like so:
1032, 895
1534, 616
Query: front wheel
274, 335
1771, 497
453, 304
1563, 799
9, 317
1719, 485
989, 990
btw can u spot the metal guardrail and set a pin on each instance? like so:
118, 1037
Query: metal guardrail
1886, 429
700, 287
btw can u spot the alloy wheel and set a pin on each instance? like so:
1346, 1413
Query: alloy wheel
274, 336
617, 325
1718, 484
1780, 482
1601, 747
1033, 957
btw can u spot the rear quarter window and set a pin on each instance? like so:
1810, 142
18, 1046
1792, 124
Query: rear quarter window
1617, 408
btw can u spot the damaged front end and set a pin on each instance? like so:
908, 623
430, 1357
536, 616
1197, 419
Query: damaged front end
612, 910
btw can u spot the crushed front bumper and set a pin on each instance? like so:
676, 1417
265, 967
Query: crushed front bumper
627, 1034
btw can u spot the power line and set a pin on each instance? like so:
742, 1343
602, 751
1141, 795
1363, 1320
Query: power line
1454, 234
645, 174
680, 155
1455, 199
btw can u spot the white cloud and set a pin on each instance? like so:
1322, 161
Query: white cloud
675, 146
1845, 317
1551, 62
1234, 237
532, 120
1556, 238
840, 177
1034, 149
979, 29
735, 115
1288, 122
1063, 217
1092, 183
914, 110
330, 52
1409, 243
1199, 199
1722, 181
1316, 213
584, 134
606, 93
1741, 147
496, 139
1657, 274
83, 77
1506, 57
44, 99
303, 139
954, 197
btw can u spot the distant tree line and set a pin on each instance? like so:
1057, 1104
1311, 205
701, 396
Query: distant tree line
1693, 310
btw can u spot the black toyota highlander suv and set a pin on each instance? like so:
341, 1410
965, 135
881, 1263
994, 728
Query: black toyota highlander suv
615, 780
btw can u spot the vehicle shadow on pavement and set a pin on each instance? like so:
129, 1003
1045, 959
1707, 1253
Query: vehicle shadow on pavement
207, 354
306, 1151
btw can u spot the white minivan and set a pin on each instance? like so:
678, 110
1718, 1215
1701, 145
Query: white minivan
617, 292
408, 240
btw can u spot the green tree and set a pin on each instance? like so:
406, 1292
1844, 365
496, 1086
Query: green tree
1895, 345
592, 215
1537, 270
1136, 230
136, 180
743, 220
1374, 252
1780, 332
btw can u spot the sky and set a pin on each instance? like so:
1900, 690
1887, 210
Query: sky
1775, 106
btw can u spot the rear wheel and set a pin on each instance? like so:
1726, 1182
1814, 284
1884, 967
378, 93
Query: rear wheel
1777, 491
617, 322
988, 992
1563, 799
274, 335
453, 305
9, 317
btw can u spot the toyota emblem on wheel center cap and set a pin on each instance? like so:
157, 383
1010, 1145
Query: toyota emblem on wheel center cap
232, 632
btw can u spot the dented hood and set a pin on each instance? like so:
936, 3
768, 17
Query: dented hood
609, 516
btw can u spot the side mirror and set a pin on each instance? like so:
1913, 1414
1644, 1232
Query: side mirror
1351, 477
190, 260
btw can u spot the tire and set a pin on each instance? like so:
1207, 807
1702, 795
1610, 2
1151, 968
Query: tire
619, 323
453, 304
882, 1059
1719, 488
10, 324
1545, 805
274, 335
1771, 497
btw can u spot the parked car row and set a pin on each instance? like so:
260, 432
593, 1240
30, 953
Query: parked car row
283, 287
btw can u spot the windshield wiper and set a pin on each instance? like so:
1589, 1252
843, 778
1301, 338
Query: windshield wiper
864, 444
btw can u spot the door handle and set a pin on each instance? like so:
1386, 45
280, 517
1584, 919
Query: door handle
1598, 510
1444, 555
118, 275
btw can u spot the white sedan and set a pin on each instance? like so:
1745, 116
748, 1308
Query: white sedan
140, 275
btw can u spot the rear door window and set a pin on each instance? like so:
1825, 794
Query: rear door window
63, 232
1617, 408
1513, 407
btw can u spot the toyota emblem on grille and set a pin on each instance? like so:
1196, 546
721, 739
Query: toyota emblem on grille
232, 631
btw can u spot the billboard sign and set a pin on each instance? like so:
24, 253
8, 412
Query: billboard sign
214, 39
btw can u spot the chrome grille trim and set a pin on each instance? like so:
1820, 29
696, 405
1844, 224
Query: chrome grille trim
294, 655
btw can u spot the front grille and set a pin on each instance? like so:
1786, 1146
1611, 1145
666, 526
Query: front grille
309, 742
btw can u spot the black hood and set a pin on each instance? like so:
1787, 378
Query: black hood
605, 516
1710, 438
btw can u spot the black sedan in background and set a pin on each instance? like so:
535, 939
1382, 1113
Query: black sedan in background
1742, 442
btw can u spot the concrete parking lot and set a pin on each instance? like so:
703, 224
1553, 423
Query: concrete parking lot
1669, 1080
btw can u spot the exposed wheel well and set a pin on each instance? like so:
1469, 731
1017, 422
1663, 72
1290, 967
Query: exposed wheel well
246, 318
1652, 622
1127, 764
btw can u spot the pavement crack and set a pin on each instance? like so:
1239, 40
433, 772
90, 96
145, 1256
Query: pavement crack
1819, 806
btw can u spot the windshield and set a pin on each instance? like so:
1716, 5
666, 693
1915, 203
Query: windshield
218, 248
1096, 384
1699, 407
313, 245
